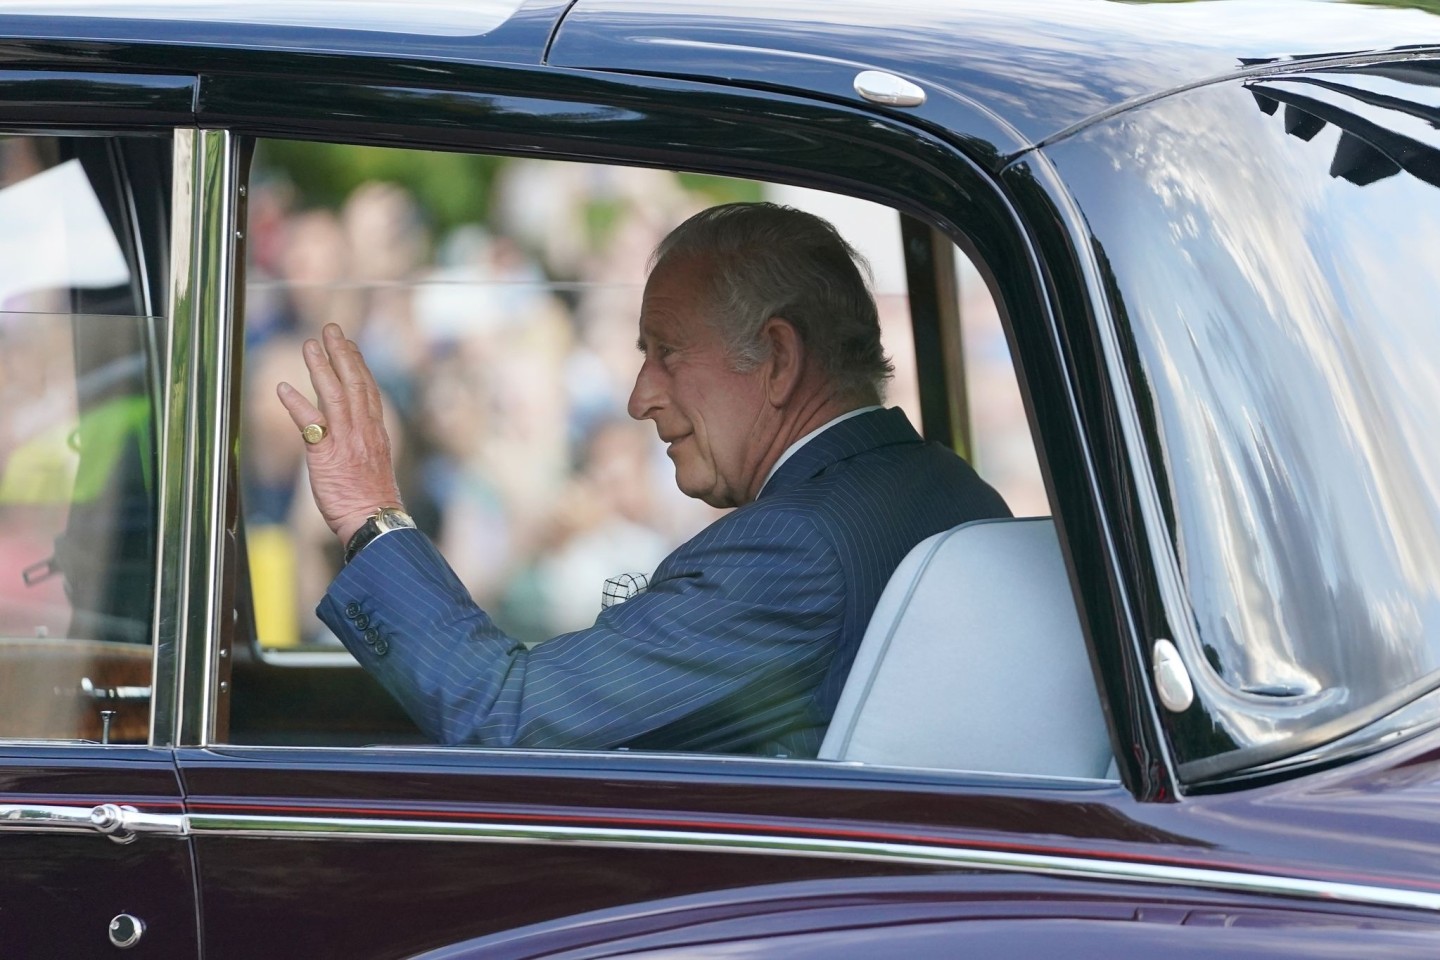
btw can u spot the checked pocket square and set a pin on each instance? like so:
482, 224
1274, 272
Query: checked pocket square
622, 587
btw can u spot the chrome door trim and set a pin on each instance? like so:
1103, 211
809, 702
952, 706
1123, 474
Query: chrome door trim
170, 517
194, 454
959, 857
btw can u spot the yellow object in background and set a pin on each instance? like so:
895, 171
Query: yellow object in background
73, 463
41, 470
272, 582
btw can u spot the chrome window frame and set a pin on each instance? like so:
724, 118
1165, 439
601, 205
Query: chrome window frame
196, 429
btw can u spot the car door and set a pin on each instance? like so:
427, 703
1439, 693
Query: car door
91, 812
353, 839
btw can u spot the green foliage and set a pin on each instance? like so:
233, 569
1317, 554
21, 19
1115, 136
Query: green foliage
721, 189
451, 188
1429, 6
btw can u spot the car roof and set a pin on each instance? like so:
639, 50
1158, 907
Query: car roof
1037, 67
1013, 74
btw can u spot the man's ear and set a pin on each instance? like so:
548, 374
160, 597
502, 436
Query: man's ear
786, 365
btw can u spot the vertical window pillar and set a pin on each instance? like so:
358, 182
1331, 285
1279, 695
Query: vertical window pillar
196, 453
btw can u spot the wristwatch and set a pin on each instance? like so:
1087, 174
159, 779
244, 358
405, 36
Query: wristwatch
381, 522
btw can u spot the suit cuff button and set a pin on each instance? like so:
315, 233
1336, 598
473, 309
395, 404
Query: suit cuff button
352, 609
381, 647
361, 622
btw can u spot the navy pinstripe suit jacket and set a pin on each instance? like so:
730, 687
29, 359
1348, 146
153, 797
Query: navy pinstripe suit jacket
740, 645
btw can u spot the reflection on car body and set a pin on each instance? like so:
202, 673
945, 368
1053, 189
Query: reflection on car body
1200, 717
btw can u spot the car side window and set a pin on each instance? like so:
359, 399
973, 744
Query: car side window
78, 448
496, 301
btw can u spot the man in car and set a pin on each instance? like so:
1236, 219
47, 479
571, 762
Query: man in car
762, 373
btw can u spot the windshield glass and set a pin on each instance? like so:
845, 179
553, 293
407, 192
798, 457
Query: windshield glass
1272, 249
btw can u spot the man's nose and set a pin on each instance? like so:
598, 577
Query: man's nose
645, 395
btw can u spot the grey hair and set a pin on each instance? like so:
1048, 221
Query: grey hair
769, 261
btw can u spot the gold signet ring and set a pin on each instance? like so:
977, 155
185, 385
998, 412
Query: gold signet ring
314, 433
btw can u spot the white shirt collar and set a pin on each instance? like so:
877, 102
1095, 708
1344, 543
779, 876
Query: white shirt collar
790, 450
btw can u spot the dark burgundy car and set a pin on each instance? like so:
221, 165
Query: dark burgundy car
1168, 273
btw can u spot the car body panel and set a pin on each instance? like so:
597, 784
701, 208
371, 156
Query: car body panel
61, 887
88, 99
693, 820
940, 916
1019, 63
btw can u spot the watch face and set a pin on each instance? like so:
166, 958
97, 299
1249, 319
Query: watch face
390, 518
387, 519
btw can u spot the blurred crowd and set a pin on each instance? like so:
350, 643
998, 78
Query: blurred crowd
506, 352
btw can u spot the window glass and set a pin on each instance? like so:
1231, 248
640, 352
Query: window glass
1280, 286
1002, 447
77, 448
497, 303
487, 321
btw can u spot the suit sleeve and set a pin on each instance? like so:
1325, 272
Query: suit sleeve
753, 597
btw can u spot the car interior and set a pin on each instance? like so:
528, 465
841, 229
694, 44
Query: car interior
1014, 696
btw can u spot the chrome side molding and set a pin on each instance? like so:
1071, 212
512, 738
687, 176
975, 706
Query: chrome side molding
876, 851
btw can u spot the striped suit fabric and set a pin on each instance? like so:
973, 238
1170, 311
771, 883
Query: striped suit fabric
741, 644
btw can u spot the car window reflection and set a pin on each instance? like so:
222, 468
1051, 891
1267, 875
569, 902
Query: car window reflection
1284, 327
1383, 129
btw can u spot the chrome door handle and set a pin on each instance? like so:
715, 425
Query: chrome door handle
120, 822
109, 694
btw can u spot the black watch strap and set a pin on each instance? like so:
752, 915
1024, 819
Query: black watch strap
379, 523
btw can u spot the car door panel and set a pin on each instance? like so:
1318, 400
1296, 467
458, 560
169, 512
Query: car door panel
476, 845
91, 818
63, 880
478, 842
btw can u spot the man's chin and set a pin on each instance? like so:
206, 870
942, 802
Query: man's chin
688, 488
711, 496
705, 492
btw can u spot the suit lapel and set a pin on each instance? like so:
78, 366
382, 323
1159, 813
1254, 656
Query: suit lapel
878, 428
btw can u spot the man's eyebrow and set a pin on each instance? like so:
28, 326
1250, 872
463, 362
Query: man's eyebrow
640, 343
